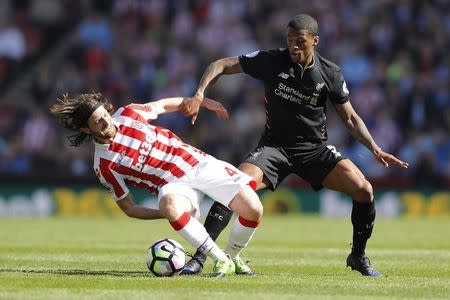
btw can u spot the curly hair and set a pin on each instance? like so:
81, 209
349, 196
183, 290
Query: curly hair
73, 113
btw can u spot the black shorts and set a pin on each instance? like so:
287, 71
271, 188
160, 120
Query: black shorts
313, 165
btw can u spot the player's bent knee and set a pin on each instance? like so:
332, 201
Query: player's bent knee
247, 204
171, 207
364, 192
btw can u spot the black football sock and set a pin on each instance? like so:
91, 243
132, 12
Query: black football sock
363, 217
217, 219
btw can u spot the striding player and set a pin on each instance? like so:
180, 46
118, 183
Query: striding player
129, 151
298, 84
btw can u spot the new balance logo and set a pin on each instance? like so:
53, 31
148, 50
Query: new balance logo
286, 76
283, 75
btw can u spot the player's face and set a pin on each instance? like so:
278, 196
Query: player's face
101, 125
300, 42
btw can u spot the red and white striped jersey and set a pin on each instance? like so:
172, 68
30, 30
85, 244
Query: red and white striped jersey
141, 154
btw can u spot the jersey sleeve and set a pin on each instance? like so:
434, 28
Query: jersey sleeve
112, 181
257, 64
146, 111
339, 92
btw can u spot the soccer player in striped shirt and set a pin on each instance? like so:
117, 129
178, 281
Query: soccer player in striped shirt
130, 151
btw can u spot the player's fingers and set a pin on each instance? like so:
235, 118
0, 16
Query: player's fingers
400, 162
223, 114
194, 118
383, 161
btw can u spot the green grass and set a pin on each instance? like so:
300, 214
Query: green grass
296, 257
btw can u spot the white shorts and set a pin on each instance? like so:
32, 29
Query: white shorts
216, 178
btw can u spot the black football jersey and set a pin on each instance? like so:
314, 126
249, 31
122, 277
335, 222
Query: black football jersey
295, 98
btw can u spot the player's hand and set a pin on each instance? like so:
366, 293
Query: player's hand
190, 106
386, 159
216, 107
222, 112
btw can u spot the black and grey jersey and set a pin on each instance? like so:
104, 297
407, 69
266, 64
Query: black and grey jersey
295, 97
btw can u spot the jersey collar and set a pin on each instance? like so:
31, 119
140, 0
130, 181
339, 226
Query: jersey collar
311, 65
100, 146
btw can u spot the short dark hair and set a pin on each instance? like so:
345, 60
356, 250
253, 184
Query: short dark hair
304, 21
73, 113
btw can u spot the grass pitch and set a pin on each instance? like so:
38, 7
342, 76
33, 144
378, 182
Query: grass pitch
296, 257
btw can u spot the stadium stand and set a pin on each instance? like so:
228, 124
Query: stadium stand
394, 55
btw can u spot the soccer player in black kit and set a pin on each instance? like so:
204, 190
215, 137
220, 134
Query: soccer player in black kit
297, 83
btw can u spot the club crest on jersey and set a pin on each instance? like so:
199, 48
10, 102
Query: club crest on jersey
319, 86
137, 125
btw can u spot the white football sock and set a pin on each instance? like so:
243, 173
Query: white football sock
241, 233
194, 232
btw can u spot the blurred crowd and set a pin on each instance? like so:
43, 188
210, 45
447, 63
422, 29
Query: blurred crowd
393, 53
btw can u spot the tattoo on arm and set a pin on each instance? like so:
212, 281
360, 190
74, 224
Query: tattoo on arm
360, 132
355, 125
227, 66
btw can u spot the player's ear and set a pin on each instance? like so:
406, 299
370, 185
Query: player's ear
85, 130
316, 40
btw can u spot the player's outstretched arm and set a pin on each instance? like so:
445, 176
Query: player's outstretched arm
131, 209
168, 105
230, 65
360, 132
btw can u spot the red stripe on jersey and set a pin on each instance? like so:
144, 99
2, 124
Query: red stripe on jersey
151, 161
144, 176
164, 165
185, 155
120, 148
142, 107
132, 132
104, 167
167, 133
143, 185
134, 115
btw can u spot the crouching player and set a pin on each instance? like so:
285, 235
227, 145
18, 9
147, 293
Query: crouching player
129, 151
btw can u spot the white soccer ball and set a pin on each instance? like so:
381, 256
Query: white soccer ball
166, 257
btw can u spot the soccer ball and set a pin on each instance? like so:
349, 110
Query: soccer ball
165, 257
